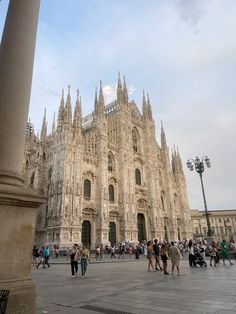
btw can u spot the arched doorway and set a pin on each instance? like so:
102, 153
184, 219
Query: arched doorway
141, 228
86, 233
112, 233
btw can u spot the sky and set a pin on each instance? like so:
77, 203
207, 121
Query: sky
182, 52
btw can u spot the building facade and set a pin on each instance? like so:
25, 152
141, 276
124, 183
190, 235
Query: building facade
223, 224
106, 178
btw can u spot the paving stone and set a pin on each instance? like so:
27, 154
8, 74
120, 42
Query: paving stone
128, 287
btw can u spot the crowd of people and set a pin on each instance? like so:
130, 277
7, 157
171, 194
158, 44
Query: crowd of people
157, 253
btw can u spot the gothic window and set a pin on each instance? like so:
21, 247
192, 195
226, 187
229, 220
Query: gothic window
162, 203
32, 180
87, 189
44, 156
111, 162
137, 177
111, 193
136, 140
49, 173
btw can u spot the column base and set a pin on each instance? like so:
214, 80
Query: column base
22, 298
17, 226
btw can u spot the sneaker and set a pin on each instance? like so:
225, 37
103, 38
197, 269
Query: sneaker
83, 276
73, 276
166, 273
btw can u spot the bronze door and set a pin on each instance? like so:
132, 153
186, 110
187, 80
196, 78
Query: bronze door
112, 233
141, 228
86, 233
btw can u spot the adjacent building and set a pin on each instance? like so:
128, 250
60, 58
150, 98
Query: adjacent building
106, 177
223, 224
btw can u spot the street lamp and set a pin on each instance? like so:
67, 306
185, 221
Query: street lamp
199, 165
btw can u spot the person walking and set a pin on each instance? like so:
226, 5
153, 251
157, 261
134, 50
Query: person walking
164, 257
113, 251
149, 256
84, 259
213, 251
174, 257
74, 258
35, 256
156, 251
191, 256
225, 252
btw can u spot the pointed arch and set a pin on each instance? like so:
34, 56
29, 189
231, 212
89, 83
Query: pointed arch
138, 180
87, 189
111, 193
111, 162
136, 140
163, 201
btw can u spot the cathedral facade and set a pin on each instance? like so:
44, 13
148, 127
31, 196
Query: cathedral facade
106, 178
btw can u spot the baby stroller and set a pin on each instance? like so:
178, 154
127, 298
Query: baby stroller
199, 260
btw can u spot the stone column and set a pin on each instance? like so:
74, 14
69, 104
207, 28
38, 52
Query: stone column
16, 67
17, 204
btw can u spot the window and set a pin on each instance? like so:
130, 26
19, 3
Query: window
219, 219
222, 230
111, 193
137, 177
32, 180
87, 189
136, 140
196, 231
111, 162
204, 230
162, 203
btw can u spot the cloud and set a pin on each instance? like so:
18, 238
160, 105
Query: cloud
110, 92
191, 11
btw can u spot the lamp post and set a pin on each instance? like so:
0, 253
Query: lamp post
199, 165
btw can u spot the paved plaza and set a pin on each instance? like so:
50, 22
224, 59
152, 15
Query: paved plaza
127, 287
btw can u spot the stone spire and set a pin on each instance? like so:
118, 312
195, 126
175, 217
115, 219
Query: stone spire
101, 104
163, 137
179, 161
61, 110
68, 111
54, 123
119, 91
96, 101
145, 109
173, 161
77, 112
125, 93
149, 107
44, 127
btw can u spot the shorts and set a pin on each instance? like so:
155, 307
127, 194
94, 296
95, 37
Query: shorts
164, 258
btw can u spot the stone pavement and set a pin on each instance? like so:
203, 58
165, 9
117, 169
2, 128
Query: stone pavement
127, 287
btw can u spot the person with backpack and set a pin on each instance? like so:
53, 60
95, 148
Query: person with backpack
35, 255
156, 252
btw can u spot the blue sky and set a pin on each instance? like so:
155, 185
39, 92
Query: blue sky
182, 52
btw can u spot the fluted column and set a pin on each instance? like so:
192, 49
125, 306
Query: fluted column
16, 67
